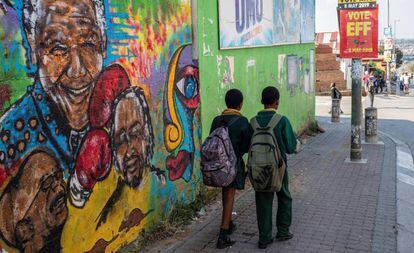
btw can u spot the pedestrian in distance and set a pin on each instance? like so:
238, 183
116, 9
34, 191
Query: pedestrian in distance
401, 80
371, 90
381, 84
406, 83
365, 79
336, 94
376, 84
275, 131
240, 132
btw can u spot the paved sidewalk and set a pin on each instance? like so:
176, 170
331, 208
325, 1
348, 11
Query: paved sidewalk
337, 206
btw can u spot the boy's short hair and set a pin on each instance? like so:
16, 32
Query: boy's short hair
270, 95
234, 98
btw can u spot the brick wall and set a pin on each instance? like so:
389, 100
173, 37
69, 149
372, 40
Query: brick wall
328, 70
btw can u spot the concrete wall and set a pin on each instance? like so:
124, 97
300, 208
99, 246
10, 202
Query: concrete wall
251, 70
100, 126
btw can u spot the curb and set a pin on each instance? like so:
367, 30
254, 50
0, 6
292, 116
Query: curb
405, 196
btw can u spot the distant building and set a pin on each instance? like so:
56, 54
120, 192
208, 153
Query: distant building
329, 67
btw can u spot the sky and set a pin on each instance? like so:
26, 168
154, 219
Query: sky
327, 21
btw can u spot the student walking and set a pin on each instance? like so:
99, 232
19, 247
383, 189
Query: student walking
285, 143
336, 94
240, 133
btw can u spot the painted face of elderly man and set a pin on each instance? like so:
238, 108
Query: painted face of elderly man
67, 41
133, 139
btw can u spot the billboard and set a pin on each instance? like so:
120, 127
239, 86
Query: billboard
287, 17
245, 23
307, 21
359, 33
254, 23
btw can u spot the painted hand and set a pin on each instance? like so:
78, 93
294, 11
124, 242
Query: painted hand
92, 165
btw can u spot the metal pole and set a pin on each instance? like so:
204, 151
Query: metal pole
395, 42
389, 13
395, 38
356, 118
388, 64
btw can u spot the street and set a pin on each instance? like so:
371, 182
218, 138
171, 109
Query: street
337, 206
395, 113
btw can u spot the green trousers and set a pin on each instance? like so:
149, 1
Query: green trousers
264, 206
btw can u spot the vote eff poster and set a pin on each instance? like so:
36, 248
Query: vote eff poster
359, 33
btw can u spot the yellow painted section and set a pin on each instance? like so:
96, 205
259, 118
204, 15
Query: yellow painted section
79, 234
173, 131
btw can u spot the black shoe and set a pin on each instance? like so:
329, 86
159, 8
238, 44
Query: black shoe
284, 237
223, 243
263, 245
232, 227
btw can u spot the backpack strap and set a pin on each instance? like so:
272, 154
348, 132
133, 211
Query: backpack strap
255, 125
233, 120
271, 125
274, 121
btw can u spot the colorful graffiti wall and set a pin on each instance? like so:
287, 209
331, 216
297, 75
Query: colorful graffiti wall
289, 67
100, 123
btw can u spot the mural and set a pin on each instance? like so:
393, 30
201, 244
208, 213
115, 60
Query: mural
85, 165
182, 98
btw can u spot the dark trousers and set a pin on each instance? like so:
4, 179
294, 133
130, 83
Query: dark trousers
264, 206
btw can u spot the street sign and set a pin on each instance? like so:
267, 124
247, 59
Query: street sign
387, 56
388, 43
388, 32
359, 33
356, 4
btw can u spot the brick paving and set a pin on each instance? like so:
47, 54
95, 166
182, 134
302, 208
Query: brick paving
337, 206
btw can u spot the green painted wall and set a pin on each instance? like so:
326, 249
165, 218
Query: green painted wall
251, 70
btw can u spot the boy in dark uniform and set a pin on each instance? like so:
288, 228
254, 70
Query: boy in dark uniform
240, 133
264, 200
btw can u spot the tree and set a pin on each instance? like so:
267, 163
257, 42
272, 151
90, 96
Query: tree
399, 54
410, 67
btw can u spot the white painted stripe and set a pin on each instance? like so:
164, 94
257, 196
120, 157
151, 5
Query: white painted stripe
404, 158
405, 226
405, 178
323, 103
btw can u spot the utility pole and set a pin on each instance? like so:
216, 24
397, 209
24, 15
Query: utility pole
395, 42
388, 64
356, 147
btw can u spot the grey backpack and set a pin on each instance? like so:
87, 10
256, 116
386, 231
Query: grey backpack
266, 166
218, 159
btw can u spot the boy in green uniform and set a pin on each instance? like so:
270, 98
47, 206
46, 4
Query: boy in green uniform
240, 133
286, 140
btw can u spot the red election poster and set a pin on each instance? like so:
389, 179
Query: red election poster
359, 33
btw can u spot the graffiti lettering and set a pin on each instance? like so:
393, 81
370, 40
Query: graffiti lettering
248, 13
